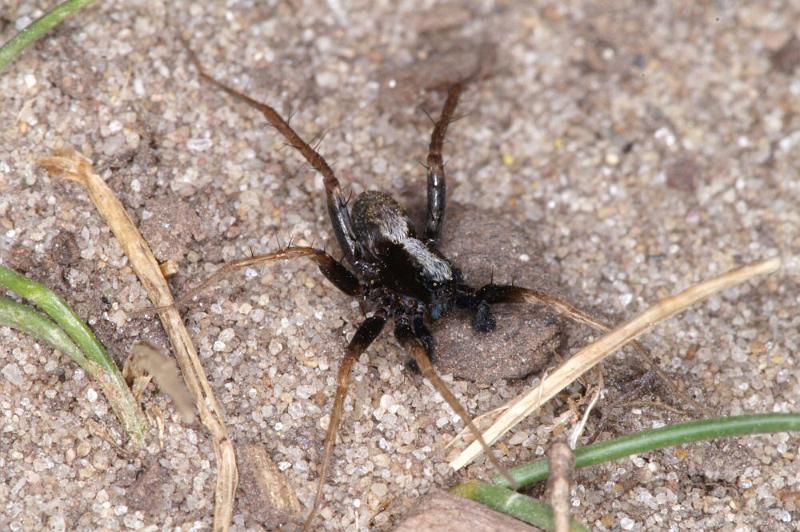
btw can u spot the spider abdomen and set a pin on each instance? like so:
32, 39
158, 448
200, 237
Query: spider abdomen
405, 264
379, 221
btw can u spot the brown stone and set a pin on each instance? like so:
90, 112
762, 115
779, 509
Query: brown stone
444, 512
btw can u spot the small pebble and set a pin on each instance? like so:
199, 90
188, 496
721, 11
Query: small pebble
13, 374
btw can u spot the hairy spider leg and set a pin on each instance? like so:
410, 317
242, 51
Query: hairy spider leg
494, 293
332, 269
416, 341
437, 188
337, 203
364, 336
502, 293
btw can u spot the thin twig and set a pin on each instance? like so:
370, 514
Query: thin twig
581, 426
559, 483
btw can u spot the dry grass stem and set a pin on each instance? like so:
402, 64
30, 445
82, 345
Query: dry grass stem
77, 167
581, 426
574, 313
483, 420
559, 483
595, 352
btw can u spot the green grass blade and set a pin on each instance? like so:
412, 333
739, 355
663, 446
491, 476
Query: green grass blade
649, 440
36, 30
511, 503
61, 313
25, 319
91, 355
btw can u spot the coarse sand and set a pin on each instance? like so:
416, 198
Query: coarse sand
640, 147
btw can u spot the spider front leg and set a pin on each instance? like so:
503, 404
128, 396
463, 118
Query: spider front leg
493, 293
501, 293
437, 187
482, 317
364, 336
337, 203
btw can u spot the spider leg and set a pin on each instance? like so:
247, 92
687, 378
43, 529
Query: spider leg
482, 318
337, 204
424, 335
417, 346
333, 270
493, 293
437, 187
499, 293
364, 336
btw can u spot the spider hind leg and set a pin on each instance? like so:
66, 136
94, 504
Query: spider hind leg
405, 334
363, 337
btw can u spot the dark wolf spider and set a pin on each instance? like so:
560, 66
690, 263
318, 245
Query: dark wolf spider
397, 274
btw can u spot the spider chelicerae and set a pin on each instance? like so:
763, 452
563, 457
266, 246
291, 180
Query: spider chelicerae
398, 274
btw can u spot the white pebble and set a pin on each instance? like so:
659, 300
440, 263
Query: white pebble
379, 489
226, 335
91, 395
13, 374
138, 87
22, 23
275, 347
665, 135
327, 79
199, 144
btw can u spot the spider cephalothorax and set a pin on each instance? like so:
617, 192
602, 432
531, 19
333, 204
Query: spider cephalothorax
398, 273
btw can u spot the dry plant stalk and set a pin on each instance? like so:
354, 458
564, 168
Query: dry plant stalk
559, 483
591, 355
76, 167
537, 297
578, 429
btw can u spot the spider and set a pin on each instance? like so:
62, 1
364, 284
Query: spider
398, 274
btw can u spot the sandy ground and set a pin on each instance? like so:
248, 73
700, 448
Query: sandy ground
645, 146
